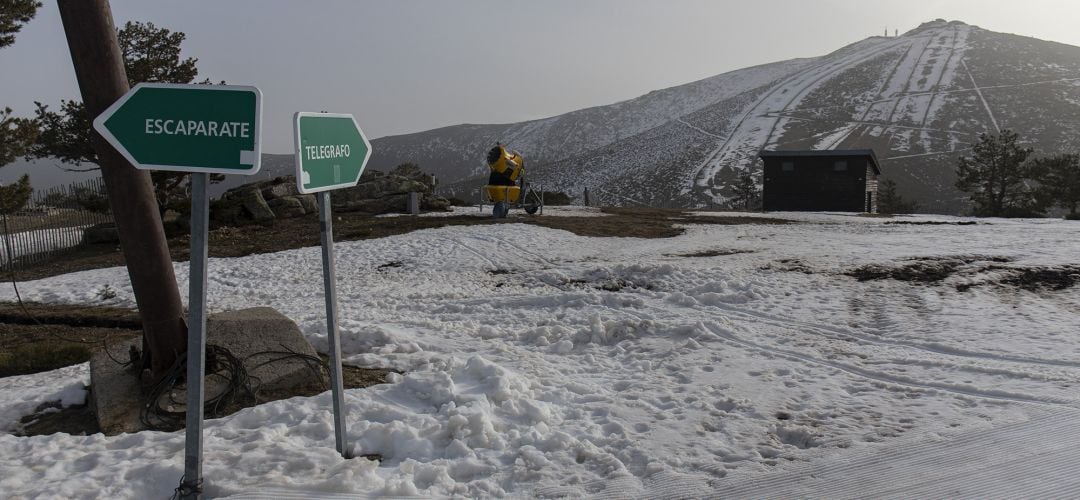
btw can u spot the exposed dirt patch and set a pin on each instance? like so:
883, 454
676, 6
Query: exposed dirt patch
1042, 278
924, 269
620, 222
303, 232
46, 337
618, 285
977, 270
609, 285
710, 253
284, 234
50, 418
789, 265
733, 220
72, 315
933, 223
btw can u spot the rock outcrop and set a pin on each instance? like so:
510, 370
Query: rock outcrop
376, 193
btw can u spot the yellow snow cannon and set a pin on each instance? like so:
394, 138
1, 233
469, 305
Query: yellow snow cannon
506, 186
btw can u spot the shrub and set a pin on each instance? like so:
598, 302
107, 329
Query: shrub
555, 198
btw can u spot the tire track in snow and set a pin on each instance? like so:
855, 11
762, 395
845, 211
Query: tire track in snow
985, 370
473, 251
523, 251
832, 331
1030, 459
893, 379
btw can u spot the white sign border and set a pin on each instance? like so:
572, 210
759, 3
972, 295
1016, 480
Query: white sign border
99, 126
299, 158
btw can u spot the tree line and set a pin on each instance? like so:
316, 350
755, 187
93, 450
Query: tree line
150, 54
1001, 178
1004, 179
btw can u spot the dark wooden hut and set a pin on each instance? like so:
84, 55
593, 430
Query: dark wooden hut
817, 181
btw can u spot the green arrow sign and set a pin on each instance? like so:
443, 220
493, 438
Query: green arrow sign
186, 128
331, 151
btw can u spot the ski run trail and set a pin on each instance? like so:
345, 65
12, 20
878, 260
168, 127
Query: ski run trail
929, 66
734, 361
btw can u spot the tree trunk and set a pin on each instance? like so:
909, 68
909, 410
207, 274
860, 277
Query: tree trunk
99, 69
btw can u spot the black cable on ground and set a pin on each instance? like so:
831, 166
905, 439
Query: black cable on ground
187, 491
221, 364
160, 404
313, 363
105, 347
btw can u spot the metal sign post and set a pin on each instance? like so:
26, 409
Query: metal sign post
326, 236
201, 129
191, 486
331, 152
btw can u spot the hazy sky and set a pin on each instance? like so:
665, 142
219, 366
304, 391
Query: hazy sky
404, 66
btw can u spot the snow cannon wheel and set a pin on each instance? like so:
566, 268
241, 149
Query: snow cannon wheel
532, 209
500, 210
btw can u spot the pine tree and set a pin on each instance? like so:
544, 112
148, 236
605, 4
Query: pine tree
891, 202
14, 196
16, 134
13, 15
150, 54
746, 192
997, 176
1059, 176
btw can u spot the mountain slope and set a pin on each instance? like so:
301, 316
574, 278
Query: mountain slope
920, 100
457, 152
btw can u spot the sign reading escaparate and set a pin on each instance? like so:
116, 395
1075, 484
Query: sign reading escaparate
186, 128
192, 127
331, 151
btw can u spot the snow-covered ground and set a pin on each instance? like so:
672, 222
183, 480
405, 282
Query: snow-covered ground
540, 363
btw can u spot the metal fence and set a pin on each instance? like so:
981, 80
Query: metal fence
52, 223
